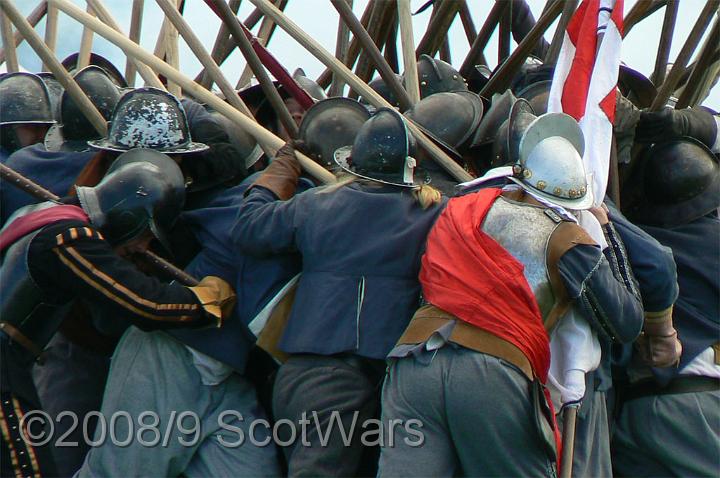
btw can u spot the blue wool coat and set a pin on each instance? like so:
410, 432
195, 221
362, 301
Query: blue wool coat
361, 247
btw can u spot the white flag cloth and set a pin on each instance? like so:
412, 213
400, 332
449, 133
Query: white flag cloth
584, 86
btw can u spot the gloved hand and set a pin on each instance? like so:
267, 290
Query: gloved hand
658, 343
282, 175
216, 297
655, 126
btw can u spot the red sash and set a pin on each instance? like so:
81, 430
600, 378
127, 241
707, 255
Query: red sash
24, 225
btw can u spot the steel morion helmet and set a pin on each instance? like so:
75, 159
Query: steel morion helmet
24, 99
436, 76
382, 152
55, 89
149, 118
311, 87
551, 165
142, 189
331, 124
102, 92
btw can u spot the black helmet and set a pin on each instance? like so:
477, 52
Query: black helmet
478, 77
436, 76
383, 151
311, 87
537, 95
636, 87
101, 91
450, 117
521, 115
142, 189
381, 88
24, 99
70, 63
55, 90
498, 113
245, 145
149, 118
679, 181
330, 124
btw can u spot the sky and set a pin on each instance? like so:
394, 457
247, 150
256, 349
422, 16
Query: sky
319, 19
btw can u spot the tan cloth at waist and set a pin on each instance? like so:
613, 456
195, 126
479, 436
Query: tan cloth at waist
429, 318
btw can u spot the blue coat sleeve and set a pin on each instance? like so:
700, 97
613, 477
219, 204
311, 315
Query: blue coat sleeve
266, 225
602, 285
652, 263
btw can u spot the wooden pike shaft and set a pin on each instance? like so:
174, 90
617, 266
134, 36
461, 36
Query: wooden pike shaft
51, 26
86, 42
664, 92
568, 439
267, 28
505, 34
691, 93
129, 48
373, 52
33, 19
412, 83
552, 54
504, 74
377, 30
375, 99
7, 39
640, 11
341, 47
61, 74
172, 52
476, 50
467, 22
135, 30
271, 93
219, 46
666, 36
145, 71
443, 16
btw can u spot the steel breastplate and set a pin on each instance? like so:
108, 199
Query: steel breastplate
524, 231
23, 304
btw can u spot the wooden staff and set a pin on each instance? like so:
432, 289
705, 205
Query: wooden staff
378, 31
502, 77
188, 85
505, 34
692, 93
86, 42
683, 57
467, 22
666, 36
56, 68
33, 19
554, 51
267, 28
442, 17
375, 99
206, 60
51, 26
341, 47
136, 18
347, 16
568, 440
219, 45
412, 83
353, 50
640, 11
172, 53
391, 53
271, 92
104, 16
475, 54
7, 39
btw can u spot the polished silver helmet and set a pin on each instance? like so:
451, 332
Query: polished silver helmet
551, 165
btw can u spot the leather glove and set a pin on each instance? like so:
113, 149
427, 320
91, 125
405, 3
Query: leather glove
282, 175
216, 297
655, 126
658, 343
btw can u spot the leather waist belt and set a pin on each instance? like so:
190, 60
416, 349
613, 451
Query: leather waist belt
429, 319
20, 338
681, 384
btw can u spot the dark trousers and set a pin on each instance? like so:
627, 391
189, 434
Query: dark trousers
321, 395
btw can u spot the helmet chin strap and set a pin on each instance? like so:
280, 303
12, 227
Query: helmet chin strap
409, 169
